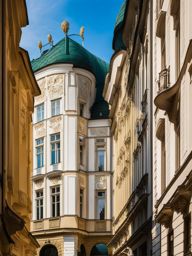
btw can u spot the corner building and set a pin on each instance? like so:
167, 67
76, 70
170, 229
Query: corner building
72, 150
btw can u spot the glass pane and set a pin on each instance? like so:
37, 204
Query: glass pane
101, 208
100, 157
53, 160
58, 209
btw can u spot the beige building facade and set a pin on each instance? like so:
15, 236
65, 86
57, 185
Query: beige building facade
172, 174
18, 88
128, 91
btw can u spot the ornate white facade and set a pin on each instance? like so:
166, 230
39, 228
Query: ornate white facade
172, 158
71, 160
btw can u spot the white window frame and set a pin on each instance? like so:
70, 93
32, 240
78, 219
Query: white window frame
55, 107
55, 202
98, 216
39, 204
39, 146
39, 112
56, 143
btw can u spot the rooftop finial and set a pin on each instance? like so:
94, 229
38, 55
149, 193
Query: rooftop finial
40, 45
50, 39
81, 33
65, 26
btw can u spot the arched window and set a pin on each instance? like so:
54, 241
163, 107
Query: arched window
82, 251
99, 250
48, 250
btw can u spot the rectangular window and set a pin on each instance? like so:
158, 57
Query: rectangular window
39, 204
81, 203
55, 148
101, 205
187, 234
81, 151
81, 109
163, 163
40, 152
55, 201
55, 107
100, 158
40, 112
170, 243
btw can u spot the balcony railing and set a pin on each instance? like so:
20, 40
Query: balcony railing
164, 81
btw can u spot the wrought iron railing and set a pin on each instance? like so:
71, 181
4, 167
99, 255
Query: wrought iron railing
164, 81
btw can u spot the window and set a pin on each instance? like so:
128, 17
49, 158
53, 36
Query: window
39, 204
101, 205
163, 162
177, 139
55, 201
177, 38
81, 203
81, 109
40, 112
55, 148
81, 151
163, 62
40, 152
55, 107
170, 242
187, 234
100, 158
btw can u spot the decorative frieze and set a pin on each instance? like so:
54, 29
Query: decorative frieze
84, 85
100, 131
100, 182
55, 123
40, 130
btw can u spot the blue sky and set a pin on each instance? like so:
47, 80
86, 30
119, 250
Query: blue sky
97, 16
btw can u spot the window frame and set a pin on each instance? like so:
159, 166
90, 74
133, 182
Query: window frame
98, 215
54, 205
55, 101
42, 112
57, 148
81, 203
39, 204
40, 154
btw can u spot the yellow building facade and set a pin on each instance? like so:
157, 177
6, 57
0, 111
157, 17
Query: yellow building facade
18, 87
128, 91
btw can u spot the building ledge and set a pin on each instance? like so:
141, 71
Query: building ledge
54, 174
178, 193
165, 100
38, 177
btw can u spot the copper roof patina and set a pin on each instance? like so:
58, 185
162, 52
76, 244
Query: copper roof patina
71, 52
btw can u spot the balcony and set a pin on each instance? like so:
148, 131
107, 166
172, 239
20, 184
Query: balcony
38, 173
164, 81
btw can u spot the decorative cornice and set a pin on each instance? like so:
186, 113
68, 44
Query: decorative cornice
164, 217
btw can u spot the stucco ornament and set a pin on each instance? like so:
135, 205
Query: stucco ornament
100, 182
55, 180
55, 123
40, 130
83, 88
99, 131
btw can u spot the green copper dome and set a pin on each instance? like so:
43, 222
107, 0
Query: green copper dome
71, 52
120, 20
